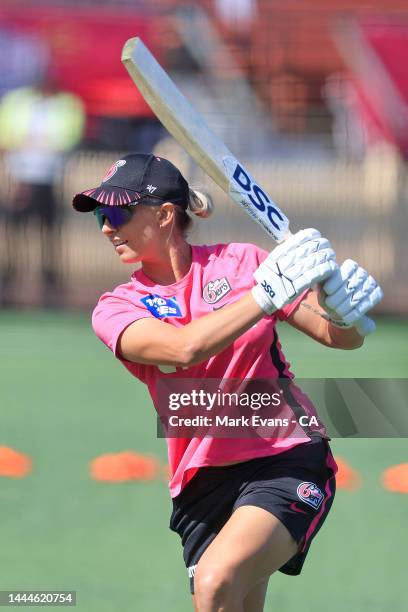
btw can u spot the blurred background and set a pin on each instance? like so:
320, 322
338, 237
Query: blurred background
313, 97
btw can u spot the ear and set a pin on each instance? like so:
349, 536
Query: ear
165, 214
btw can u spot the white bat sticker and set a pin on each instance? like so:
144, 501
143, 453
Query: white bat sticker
245, 191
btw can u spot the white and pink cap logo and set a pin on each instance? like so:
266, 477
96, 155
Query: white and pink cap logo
113, 169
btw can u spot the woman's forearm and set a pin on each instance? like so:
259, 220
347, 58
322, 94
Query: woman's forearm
151, 341
345, 338
214, 332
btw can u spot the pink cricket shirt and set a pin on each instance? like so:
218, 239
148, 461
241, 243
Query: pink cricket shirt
220, 274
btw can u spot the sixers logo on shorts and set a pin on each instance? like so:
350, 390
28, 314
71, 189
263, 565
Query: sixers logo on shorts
113, 169
215, 290
310, 494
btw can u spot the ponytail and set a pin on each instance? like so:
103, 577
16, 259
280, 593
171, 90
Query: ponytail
199, 203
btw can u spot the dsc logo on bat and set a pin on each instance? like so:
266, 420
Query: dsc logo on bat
244, 188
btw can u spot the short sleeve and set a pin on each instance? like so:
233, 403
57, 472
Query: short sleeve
112, 315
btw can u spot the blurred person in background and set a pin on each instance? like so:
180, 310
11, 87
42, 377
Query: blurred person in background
244, 507
23, 59
39, 126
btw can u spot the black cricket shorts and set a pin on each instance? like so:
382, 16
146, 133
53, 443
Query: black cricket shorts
297, 486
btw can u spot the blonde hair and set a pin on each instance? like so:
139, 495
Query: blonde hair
199, 203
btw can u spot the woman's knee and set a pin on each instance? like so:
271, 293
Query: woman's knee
216, 586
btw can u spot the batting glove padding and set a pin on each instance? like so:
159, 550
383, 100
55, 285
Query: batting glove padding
351, 292
295, 265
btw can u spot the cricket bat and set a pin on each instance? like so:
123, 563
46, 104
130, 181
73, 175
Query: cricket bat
192, 132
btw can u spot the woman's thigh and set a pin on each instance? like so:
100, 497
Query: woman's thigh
251, 546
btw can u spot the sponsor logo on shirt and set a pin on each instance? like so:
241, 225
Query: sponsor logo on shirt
162, 307
310, 494
219, 307
215, 290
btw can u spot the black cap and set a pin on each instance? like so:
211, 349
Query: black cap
136, 177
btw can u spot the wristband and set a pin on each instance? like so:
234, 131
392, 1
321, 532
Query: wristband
262, 300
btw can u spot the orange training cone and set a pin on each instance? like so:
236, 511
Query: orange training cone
14, 464
347, 478
124, 466
395, 478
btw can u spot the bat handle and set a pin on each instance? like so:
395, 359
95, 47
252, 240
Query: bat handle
365, 325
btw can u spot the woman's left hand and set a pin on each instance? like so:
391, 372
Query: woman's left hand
350, 293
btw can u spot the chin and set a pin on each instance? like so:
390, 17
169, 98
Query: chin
129, 258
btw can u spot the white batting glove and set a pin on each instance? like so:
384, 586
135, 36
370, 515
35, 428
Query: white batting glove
351, 292
295, 265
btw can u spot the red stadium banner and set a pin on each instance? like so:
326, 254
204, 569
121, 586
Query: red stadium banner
85, 45
376, 51
386, 53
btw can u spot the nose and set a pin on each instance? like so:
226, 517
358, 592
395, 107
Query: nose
107, 228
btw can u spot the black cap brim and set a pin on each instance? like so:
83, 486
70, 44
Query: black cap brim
90, 199
83, 203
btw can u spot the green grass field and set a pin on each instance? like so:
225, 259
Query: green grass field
65, 400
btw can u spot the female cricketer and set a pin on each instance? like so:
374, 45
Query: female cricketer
247, 507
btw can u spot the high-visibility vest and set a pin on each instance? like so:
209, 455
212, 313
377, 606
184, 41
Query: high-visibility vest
63, 122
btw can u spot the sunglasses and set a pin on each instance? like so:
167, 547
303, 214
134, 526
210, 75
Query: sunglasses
115, 215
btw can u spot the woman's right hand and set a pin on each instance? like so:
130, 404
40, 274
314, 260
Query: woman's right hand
304, 260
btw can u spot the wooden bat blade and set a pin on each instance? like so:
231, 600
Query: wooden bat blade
193, 133
177, 115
